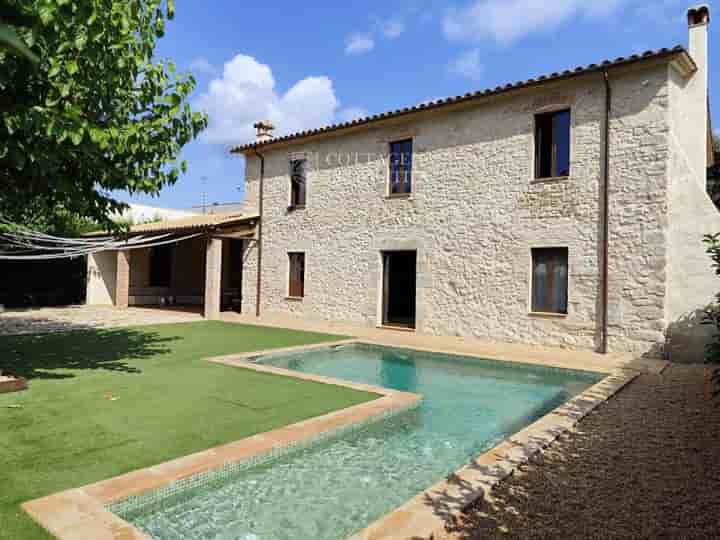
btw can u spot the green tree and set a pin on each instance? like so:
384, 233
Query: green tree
712, 313
99, 113
12, 20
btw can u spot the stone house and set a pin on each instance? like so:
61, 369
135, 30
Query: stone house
566, 210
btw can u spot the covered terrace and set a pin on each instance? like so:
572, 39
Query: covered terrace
194, 262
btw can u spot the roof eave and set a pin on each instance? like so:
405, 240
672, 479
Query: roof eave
679, 57
684, 64
169, 228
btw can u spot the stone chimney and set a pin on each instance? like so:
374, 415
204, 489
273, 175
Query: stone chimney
263, 130
698, 21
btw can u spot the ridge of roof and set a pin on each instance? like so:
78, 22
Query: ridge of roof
542, 79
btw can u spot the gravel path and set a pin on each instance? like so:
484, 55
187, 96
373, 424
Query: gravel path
644, 465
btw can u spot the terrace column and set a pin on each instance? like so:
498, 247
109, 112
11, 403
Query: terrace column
122, 279
213, 278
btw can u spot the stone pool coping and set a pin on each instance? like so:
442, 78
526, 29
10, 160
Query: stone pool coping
426, 515
81, 513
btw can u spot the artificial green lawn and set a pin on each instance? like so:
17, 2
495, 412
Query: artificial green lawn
170, 402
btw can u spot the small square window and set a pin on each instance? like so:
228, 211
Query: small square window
298, 182
296, 288
552, 144
550, 280
401, 166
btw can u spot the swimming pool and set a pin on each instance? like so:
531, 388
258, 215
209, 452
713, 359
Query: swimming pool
340, 485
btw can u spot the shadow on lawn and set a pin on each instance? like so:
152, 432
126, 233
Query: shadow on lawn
37, 356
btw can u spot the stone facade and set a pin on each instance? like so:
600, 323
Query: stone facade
476, 211
122, 280
213, 277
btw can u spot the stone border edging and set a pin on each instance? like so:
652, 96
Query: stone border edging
425, 515
80, 513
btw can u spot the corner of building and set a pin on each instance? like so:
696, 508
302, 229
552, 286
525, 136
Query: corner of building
101, 278
692, 282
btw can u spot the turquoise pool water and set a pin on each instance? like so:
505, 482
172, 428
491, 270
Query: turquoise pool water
339, 486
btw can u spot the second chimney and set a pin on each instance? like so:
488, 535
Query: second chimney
263, 130
698, 21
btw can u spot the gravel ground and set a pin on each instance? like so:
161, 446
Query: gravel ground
646, 464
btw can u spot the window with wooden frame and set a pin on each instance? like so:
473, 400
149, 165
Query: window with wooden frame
296, 287
161, 258
552, 144
298, 182
550, 280
401, 167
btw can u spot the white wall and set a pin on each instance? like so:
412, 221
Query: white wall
692, 281
101, 277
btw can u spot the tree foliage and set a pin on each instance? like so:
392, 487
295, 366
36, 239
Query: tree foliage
12, 19
98, 114
712, 313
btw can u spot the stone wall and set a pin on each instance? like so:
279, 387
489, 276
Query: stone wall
122, 279
639, 160
475, 213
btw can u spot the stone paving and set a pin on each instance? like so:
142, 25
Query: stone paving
517, 352
44, 320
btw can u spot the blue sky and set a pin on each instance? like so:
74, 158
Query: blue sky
326, 61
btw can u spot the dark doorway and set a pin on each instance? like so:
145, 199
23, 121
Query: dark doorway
399, 288
232, 271
161, 263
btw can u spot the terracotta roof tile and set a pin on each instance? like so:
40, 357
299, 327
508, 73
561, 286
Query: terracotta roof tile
189, 224
542, 79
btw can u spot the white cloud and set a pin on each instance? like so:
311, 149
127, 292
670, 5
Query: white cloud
359, 44
246, 93
351, 113
393, 29
665, 13
203, 66
508, 20
467, 65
